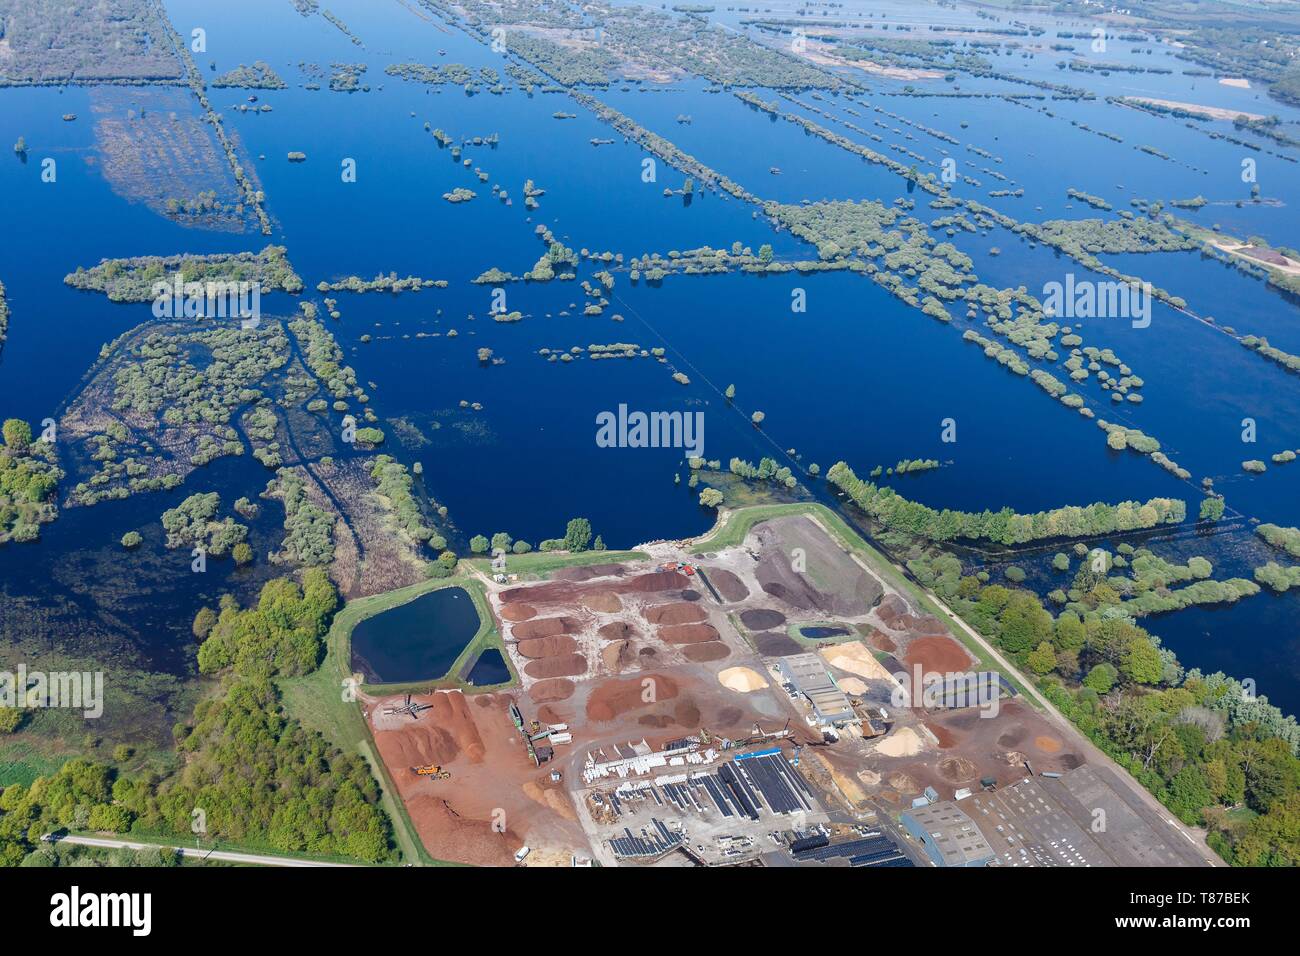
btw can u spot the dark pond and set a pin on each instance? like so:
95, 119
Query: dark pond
489, 669
816, 633
419, 640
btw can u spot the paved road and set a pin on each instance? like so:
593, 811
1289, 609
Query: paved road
227, 856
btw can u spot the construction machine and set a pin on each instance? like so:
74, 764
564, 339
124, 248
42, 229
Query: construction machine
432, 770
410, 708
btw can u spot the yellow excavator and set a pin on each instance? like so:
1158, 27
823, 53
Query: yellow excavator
432, 770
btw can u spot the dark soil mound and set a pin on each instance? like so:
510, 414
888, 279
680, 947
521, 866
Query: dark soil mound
761, 619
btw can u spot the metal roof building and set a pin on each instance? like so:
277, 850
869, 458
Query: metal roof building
810, 678
949, 836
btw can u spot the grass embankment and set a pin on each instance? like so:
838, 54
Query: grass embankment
537, 564
735, 525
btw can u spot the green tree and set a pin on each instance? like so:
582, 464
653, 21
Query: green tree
577, 535
478, 544
204, 622
1042, 658
1211, 508
18, 434
1101, 678
1142, 662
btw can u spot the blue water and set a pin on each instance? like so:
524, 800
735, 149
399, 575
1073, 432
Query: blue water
858, 376
489, 669
418, 640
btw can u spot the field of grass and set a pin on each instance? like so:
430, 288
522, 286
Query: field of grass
22, 761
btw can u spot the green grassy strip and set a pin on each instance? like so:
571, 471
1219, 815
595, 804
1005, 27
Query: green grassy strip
538, 564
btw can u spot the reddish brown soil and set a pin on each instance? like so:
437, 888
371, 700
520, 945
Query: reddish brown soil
551, 715
653, 582
881, 641
616, 697
688, 633
554, 689
490, 776
945, 736
570, 665
708, 651
896, 614
451, 712
545, 627
607, 602
682, 613
518, 612
937, 655
569, 592
618, 656
891, 608
618, 631
450, 836
547, 646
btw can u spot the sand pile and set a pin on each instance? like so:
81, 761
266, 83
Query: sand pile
550, 797
851, 685
856, 658
742, 680
904, 742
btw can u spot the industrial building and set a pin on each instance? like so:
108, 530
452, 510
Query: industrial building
949, 836
1083, 817
807, 675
